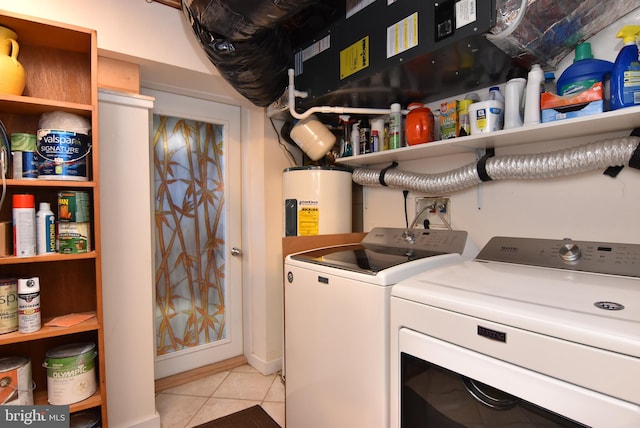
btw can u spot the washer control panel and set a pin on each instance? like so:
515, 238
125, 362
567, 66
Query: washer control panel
436, 241
585, 256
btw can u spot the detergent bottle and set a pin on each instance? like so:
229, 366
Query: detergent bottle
584, 72
625, 78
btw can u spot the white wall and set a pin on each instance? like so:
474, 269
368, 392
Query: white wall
589, 206
158, 38
127, 256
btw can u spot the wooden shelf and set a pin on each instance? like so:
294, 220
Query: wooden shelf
46, 332
49, 183
32, 105
611, 121
60, 63
41, 398
56, 257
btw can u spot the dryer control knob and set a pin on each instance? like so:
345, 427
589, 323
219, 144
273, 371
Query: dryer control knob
570, 252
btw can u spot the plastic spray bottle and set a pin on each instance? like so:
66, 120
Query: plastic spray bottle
355, 138
395, 127
625, 77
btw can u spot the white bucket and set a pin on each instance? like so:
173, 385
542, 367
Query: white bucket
16, 387
317, 201
71, 374
486, 116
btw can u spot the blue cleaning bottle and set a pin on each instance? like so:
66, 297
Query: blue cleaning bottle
584, 72
625, 78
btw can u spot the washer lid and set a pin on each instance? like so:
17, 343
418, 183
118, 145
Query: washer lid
593, 309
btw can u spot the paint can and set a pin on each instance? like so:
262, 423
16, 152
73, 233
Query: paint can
74, 238
73, 206
16, 387
8, 305
23, 152
63, 155
71, 373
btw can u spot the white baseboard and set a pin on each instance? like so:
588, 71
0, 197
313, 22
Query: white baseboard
153, 422
264, 367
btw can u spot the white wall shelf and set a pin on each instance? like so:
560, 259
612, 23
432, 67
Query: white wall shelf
611, 121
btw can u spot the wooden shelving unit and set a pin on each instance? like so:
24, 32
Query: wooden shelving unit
60, 63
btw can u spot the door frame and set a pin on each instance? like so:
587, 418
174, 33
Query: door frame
177, 105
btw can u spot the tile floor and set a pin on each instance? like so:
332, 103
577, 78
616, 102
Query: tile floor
220, 394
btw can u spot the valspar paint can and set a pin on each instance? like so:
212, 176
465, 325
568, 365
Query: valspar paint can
71, 373
29, 305
8, 305
16, 387
62, 155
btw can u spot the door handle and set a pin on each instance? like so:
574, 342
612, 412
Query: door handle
235, 251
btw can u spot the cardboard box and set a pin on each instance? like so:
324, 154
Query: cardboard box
555, 107
449, 121
6, 238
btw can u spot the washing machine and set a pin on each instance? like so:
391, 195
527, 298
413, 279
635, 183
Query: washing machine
336, 302
532, 332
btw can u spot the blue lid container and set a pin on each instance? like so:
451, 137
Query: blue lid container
584, 72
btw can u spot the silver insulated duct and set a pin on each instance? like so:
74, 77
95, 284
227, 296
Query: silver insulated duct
603, 154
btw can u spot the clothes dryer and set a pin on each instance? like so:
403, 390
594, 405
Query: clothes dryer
533, 332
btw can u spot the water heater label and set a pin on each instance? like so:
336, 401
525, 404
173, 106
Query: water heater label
308, 218
465, 13
354, 58
402, 36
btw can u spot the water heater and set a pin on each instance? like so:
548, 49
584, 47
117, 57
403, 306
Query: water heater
317, 200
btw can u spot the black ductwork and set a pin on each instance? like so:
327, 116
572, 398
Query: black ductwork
249, 42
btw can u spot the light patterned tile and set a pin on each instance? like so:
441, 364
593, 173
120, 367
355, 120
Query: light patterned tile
217, 407
177, 410
276, 411
245, 386
245, 368
202, 387
276, 391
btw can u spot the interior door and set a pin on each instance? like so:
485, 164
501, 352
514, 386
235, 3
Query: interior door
197, 201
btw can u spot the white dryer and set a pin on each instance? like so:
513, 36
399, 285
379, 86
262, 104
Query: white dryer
533, 332
337, 322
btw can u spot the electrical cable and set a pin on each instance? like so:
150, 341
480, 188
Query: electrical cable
406, 213
288, 154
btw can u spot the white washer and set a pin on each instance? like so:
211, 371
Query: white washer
337, 323
536, 332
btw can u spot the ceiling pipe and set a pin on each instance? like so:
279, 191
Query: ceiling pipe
293, 93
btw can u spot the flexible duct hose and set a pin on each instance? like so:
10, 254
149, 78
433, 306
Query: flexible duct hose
612, 152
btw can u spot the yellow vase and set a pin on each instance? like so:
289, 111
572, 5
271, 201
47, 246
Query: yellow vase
12, 78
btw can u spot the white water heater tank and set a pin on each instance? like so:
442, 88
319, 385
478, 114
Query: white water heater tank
317, 200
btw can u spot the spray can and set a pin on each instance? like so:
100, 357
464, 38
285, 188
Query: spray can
45, 230
24, 225
395, 127
29, 305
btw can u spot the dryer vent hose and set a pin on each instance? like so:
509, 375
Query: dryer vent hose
607, 153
